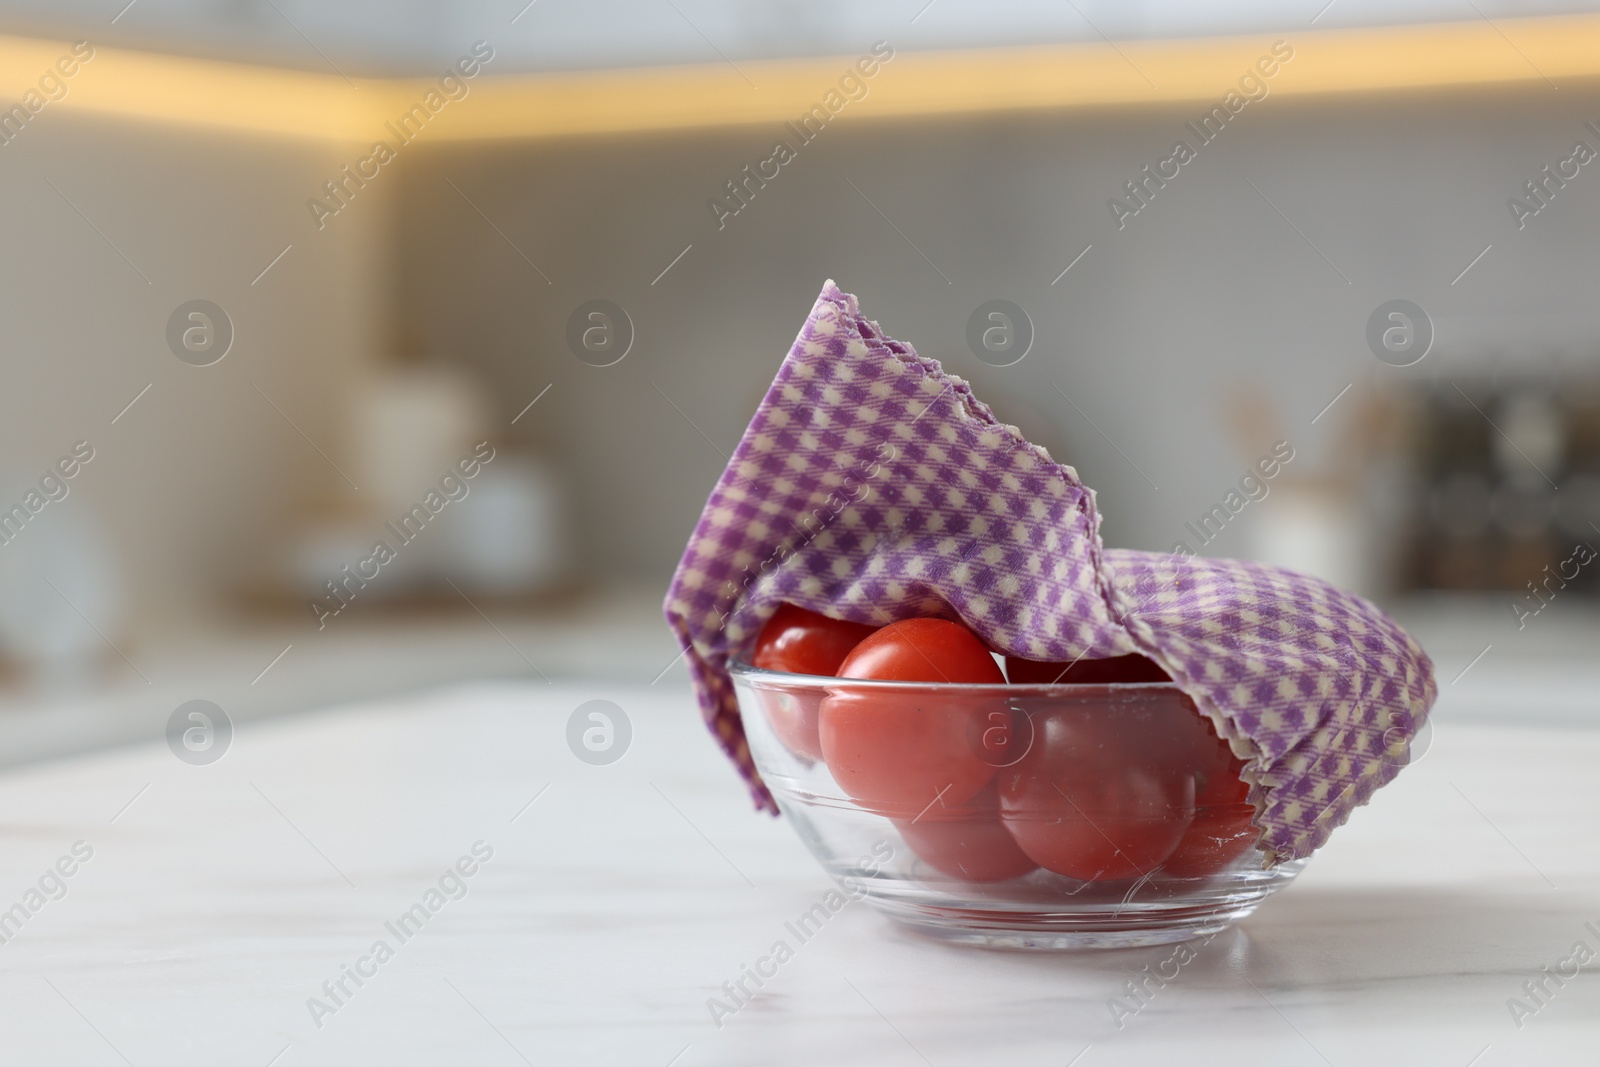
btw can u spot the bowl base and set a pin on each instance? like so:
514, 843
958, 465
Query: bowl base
1033, 932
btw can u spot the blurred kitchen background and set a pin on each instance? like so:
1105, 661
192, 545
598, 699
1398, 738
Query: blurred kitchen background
245, 461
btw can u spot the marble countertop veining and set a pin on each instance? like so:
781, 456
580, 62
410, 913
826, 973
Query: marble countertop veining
206, 907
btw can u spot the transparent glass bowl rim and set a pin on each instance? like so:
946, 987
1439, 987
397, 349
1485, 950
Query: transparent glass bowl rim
769, 679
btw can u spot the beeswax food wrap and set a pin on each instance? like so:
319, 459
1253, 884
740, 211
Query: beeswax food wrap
873, 486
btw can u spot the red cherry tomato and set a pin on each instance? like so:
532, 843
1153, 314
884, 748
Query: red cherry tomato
969, 843
1117, 669
1221, 831
802, 642
897, 753
922, 650
1099, 795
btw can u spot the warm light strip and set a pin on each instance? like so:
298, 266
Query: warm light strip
1050, 77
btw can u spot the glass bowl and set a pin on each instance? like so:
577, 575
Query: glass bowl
1054, 816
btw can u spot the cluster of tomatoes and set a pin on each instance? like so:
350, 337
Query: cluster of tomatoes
989, 789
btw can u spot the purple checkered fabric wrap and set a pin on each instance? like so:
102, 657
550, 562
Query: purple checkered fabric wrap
873, 486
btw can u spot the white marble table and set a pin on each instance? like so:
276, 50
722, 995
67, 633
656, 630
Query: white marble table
223, 897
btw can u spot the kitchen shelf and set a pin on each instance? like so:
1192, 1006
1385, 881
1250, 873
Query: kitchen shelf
1052, 77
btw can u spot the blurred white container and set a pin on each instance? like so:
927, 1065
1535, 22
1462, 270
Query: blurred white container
61, 597
410, 425
1334, 519
326, 545
1315, 529
509, 536
506, 536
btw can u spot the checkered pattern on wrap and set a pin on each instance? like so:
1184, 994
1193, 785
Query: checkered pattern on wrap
872, 486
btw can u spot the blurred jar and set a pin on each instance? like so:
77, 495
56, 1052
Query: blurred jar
410, 425
1317, 528
1532, 434
59, 593
509, 535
